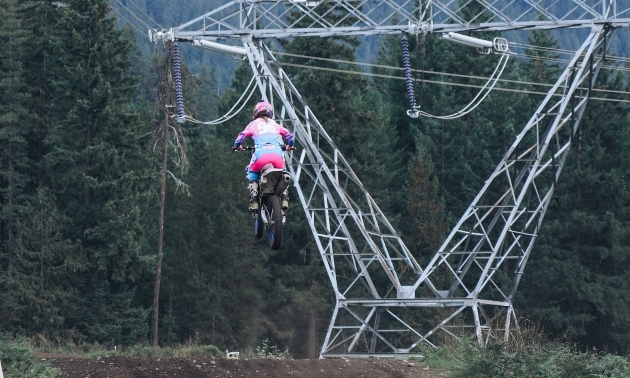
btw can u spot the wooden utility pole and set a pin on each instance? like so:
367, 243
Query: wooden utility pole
179, 146
158, 269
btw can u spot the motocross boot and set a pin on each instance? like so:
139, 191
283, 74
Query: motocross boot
284, 197
253, 198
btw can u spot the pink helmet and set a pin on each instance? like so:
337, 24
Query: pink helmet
263, 108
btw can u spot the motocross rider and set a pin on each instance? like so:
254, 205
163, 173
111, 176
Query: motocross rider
267, 135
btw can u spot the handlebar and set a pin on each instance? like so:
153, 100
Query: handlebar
252, 148
243, 148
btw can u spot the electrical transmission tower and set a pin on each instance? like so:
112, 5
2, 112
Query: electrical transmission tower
386, 303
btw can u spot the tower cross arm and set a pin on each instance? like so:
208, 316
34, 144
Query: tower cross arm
321, 18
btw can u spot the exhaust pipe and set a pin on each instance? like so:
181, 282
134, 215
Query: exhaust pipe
283, 183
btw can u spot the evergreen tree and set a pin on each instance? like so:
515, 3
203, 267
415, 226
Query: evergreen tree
578, 274
212, 268
349, 109
426, 226
15, 164
99, 167
464, 150
39, 256
419, 203
542, 67
207, 97
214, 275
46, 258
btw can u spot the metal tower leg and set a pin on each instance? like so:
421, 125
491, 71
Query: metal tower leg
367, 263
484, 255
486, 252
376, 325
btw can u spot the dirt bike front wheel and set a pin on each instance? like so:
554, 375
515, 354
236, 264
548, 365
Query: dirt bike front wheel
275, 222
259, 227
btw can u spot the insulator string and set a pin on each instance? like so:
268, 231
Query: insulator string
407, 67
178, 84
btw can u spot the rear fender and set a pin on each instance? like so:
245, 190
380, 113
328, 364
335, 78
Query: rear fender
274, 181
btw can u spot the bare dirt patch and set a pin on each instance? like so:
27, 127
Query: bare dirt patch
136, 367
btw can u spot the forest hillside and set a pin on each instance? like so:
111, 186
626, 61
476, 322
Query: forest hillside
84, 156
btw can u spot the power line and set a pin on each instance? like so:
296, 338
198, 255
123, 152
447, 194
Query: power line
417, 71
134, 26
565, 52
146, 15
440, 82
133, 15
402, 69
541, 48
561, 51
477, 100
558, 60
431, 73
227, 116
533, 57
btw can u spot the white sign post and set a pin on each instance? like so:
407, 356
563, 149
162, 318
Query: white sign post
1, 375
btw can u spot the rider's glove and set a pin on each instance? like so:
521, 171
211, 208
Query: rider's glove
237, 148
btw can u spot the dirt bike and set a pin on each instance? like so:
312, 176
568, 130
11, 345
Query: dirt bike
272, 182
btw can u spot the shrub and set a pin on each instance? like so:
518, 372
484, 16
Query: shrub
271, 352
18, 361
528, 354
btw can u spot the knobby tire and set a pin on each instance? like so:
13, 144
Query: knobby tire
275, 227
259, 225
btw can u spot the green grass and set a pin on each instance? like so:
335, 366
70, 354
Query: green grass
178, 351
97, 350
529, 353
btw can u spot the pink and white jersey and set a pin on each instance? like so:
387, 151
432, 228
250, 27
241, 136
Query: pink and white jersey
264, 130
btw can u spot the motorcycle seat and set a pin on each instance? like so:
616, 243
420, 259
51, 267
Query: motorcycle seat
267, 167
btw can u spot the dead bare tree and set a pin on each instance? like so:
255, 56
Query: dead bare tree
169, 136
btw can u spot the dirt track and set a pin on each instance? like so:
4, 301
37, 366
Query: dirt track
127, 367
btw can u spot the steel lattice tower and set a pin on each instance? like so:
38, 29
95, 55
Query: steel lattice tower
386, 303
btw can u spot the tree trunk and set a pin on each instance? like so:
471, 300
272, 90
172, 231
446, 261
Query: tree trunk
311, 326
311, 334
158, 269
9, 227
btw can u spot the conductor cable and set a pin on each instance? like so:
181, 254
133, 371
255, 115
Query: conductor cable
229, 113
484, 92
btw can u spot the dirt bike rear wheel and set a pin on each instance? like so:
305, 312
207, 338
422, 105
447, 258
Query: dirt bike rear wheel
275, 222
